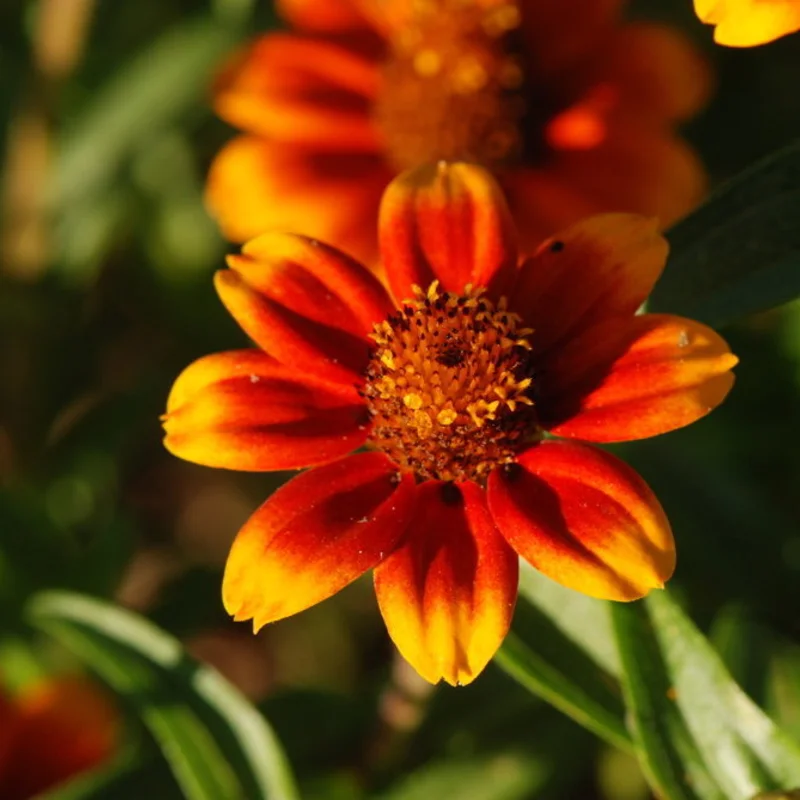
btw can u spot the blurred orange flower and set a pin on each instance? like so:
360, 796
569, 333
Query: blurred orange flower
746, 23
50, 733
452, 389
572, 109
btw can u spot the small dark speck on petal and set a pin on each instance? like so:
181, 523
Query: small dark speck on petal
451, 496
512, 472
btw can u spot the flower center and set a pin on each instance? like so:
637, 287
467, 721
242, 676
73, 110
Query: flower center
452, 84
449, 386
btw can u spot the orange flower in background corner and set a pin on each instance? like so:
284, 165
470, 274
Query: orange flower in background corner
452, 389
572, 109
51, 732
746, 23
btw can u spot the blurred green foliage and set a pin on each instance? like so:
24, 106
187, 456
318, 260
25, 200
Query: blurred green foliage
109, 296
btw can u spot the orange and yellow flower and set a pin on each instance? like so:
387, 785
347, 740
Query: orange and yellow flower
454, 389
572, 109
746, 23
52, 732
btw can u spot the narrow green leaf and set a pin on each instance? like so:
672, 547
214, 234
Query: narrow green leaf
740, 252
706, 693
784, 700
165, 82
700, 735
217, 744
505, 775
563, 673
584, 620
666, 749
745, 647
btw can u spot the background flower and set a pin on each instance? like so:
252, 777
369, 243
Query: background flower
746, 23
53, 731
574, 109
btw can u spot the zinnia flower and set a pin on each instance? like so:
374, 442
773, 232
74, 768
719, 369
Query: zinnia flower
745, 23
51, 732
572, 109
452, 388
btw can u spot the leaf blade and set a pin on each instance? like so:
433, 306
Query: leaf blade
217, 744
676, 771
739, 253
575, 677
698, 734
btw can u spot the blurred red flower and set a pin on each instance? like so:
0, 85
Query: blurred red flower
572, 109
51, 732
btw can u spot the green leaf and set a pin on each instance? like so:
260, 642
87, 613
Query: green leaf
583, 620
666, 750
561, 670
506, 775
745, 647
740, 252
698, 734
784, 699
216, 743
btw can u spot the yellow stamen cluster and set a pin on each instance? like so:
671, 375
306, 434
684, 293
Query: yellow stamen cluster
449, 385
452, 84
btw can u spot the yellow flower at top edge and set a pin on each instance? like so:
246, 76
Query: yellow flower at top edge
746, 23
572, 109
53, 731
454, 374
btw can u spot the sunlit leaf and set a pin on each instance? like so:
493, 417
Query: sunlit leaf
745, 648
582, 619
699, 734
740, 252
498, 776
558, 666
216, 743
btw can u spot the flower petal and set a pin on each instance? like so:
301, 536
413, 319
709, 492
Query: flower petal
271, 292
314, 280
746, 23
447, 593
638, 167
309, 92
543, 203
585, 519
255, 185
446, 222
602, 267
329, 16
643, 377
655, 70
243, 410
315, 535
559, 35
